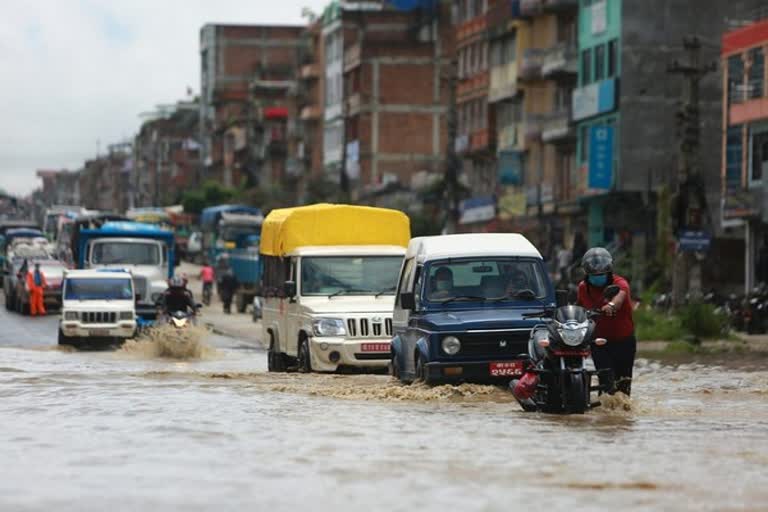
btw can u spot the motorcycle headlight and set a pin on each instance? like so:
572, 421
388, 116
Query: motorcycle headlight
451, 345
329, 327
572, 334
71, 315
126, 315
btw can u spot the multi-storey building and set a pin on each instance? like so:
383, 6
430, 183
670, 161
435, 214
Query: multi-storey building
745, 142
385, 111
232, 57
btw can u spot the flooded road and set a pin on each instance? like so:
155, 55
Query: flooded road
129, 429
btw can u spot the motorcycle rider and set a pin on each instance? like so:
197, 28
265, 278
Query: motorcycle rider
616, 324
177, 297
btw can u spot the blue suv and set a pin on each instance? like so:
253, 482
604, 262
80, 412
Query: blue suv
460, 305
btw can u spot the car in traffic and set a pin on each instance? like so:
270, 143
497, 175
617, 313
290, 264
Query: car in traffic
329, 285
98, 307
459, 312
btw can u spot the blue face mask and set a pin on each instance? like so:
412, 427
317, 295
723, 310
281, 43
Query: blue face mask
598, 280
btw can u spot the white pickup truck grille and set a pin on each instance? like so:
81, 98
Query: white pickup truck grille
374, 327
98, 317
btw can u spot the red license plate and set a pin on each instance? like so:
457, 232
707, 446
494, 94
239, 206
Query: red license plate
506, 369
374, 347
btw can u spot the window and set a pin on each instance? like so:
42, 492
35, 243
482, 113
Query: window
355, 275
757, 74
402, 286
759, 156
733, 158
599, 62
584, 138
735, 78
510, 49
126, 253
98, 289
612, 58
484, 279
586, 66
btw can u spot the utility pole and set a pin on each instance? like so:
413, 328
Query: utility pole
689, 203
451, 183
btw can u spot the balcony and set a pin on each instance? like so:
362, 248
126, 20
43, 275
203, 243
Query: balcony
561, 5
508, 137
470, 29
310, 71
557, 127
530, 67
276, 141
560, 60
531, 7
503, 82
311, 113
354, 103
352, 57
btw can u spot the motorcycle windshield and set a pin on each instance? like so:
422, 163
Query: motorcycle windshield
571, 314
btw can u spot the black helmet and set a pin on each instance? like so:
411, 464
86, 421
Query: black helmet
597, 261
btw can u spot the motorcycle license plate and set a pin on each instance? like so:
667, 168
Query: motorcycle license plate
99, 332
506, 369
374, 347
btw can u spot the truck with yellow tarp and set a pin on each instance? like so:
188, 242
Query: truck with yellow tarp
328, 286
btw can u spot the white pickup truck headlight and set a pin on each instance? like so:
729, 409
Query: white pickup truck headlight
71, 315
126, 315
329, 327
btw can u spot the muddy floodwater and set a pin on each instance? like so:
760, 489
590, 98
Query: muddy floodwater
210, 429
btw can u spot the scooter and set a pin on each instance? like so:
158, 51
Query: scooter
556, 379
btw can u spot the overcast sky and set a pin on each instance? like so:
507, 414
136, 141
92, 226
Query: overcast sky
75, 72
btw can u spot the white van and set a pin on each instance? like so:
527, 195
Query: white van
98, 306
330, 273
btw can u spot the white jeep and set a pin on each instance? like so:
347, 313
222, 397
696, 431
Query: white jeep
98, 307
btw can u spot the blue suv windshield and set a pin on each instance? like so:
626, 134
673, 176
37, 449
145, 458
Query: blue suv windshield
484, 280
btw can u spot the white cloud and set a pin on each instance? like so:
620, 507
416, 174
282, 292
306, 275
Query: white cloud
80, 71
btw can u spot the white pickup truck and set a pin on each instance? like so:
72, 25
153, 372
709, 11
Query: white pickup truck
98, 307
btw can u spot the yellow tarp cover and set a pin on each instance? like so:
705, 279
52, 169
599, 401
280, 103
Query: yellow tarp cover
286, 229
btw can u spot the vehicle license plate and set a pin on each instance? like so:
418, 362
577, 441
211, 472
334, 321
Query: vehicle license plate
506, 369
374, 347
99, 332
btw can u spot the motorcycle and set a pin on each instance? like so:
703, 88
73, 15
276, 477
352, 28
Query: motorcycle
556, 379
180, 319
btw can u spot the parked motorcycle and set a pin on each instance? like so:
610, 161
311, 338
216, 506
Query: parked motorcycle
556, 379
755, 310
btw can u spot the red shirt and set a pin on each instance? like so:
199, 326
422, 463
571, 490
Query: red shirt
609, 327
207, 274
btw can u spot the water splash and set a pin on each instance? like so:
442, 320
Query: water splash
167, 342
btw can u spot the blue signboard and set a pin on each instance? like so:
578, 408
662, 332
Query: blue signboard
601, 138
477, 209
694, 241
510, 168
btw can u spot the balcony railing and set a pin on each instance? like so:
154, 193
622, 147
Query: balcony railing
530, 67
503, 82
352, 57
557, 127
475, 83
354, 102
562, 59
479, 141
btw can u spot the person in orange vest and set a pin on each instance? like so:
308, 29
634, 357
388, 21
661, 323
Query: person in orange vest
36, 284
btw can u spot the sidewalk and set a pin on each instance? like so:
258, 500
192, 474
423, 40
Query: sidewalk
236, 325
